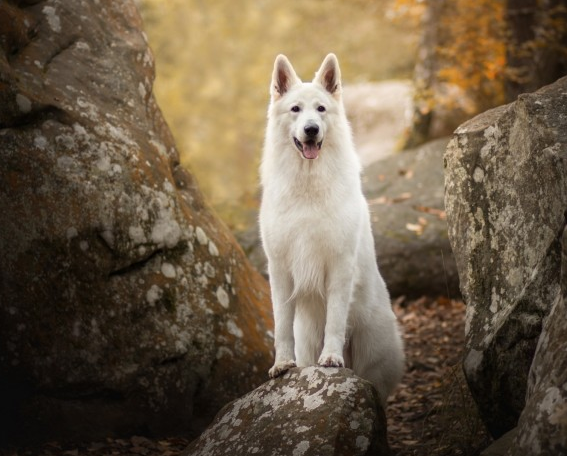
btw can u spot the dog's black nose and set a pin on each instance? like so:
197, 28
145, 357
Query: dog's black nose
311, 130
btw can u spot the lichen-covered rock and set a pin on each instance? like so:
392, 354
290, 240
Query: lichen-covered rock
506, 198
312, 411
125, 305
542, 428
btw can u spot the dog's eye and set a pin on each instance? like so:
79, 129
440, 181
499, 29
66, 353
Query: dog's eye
321, 109
295, 109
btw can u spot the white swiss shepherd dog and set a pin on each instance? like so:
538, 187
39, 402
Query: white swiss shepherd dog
331, 306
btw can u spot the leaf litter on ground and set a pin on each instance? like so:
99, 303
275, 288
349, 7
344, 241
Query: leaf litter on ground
432, 413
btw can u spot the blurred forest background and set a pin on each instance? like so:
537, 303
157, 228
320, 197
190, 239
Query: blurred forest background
214, 63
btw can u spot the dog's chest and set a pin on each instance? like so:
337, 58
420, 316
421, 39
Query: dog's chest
313, 233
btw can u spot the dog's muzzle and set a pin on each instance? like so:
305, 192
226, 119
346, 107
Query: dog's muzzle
310, 147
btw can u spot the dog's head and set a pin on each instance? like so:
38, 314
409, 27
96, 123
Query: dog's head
304, 109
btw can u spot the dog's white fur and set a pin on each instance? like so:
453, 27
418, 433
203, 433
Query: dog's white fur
331, 305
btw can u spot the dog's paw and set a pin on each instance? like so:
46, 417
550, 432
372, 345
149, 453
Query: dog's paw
331, 360
281, 368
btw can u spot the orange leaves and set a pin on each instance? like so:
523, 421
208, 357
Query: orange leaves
407, 10
473, 50
466, 41
493, 69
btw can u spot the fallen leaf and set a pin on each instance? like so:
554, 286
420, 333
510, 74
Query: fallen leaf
416, 228
379, 200
440, 213
403, 197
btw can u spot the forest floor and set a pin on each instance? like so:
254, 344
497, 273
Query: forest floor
430, 414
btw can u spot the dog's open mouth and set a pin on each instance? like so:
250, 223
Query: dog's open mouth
309, 149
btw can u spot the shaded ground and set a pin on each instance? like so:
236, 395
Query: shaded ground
430, 414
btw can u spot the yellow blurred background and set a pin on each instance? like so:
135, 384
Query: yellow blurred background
214, 61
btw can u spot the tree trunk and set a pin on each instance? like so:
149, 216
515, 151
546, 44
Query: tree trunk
537, 51
425, 75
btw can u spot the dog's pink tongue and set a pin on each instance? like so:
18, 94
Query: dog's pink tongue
310, 151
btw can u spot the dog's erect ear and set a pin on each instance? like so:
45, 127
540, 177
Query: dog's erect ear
329, 75
283, 78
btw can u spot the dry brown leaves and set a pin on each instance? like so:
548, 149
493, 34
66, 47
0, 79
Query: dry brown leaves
432, 412
134, 446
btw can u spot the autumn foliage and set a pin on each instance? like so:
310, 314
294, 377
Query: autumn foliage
477, 54
474, 52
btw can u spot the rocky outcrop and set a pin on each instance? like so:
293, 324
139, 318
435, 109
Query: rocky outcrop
542, 428
309, 411
125, 305
506, 200
405, 194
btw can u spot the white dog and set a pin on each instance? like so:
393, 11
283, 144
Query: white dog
331, 305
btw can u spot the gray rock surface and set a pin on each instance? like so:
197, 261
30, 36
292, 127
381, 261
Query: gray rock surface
500, 446
312, 411
542, 428
405, 194
126, 307
506, 199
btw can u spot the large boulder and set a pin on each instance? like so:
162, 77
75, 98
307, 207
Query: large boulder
542, 428
125, 305
506, 200
405, 194
312, 411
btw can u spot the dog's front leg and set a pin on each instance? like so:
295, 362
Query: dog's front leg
284, 312
339, 290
